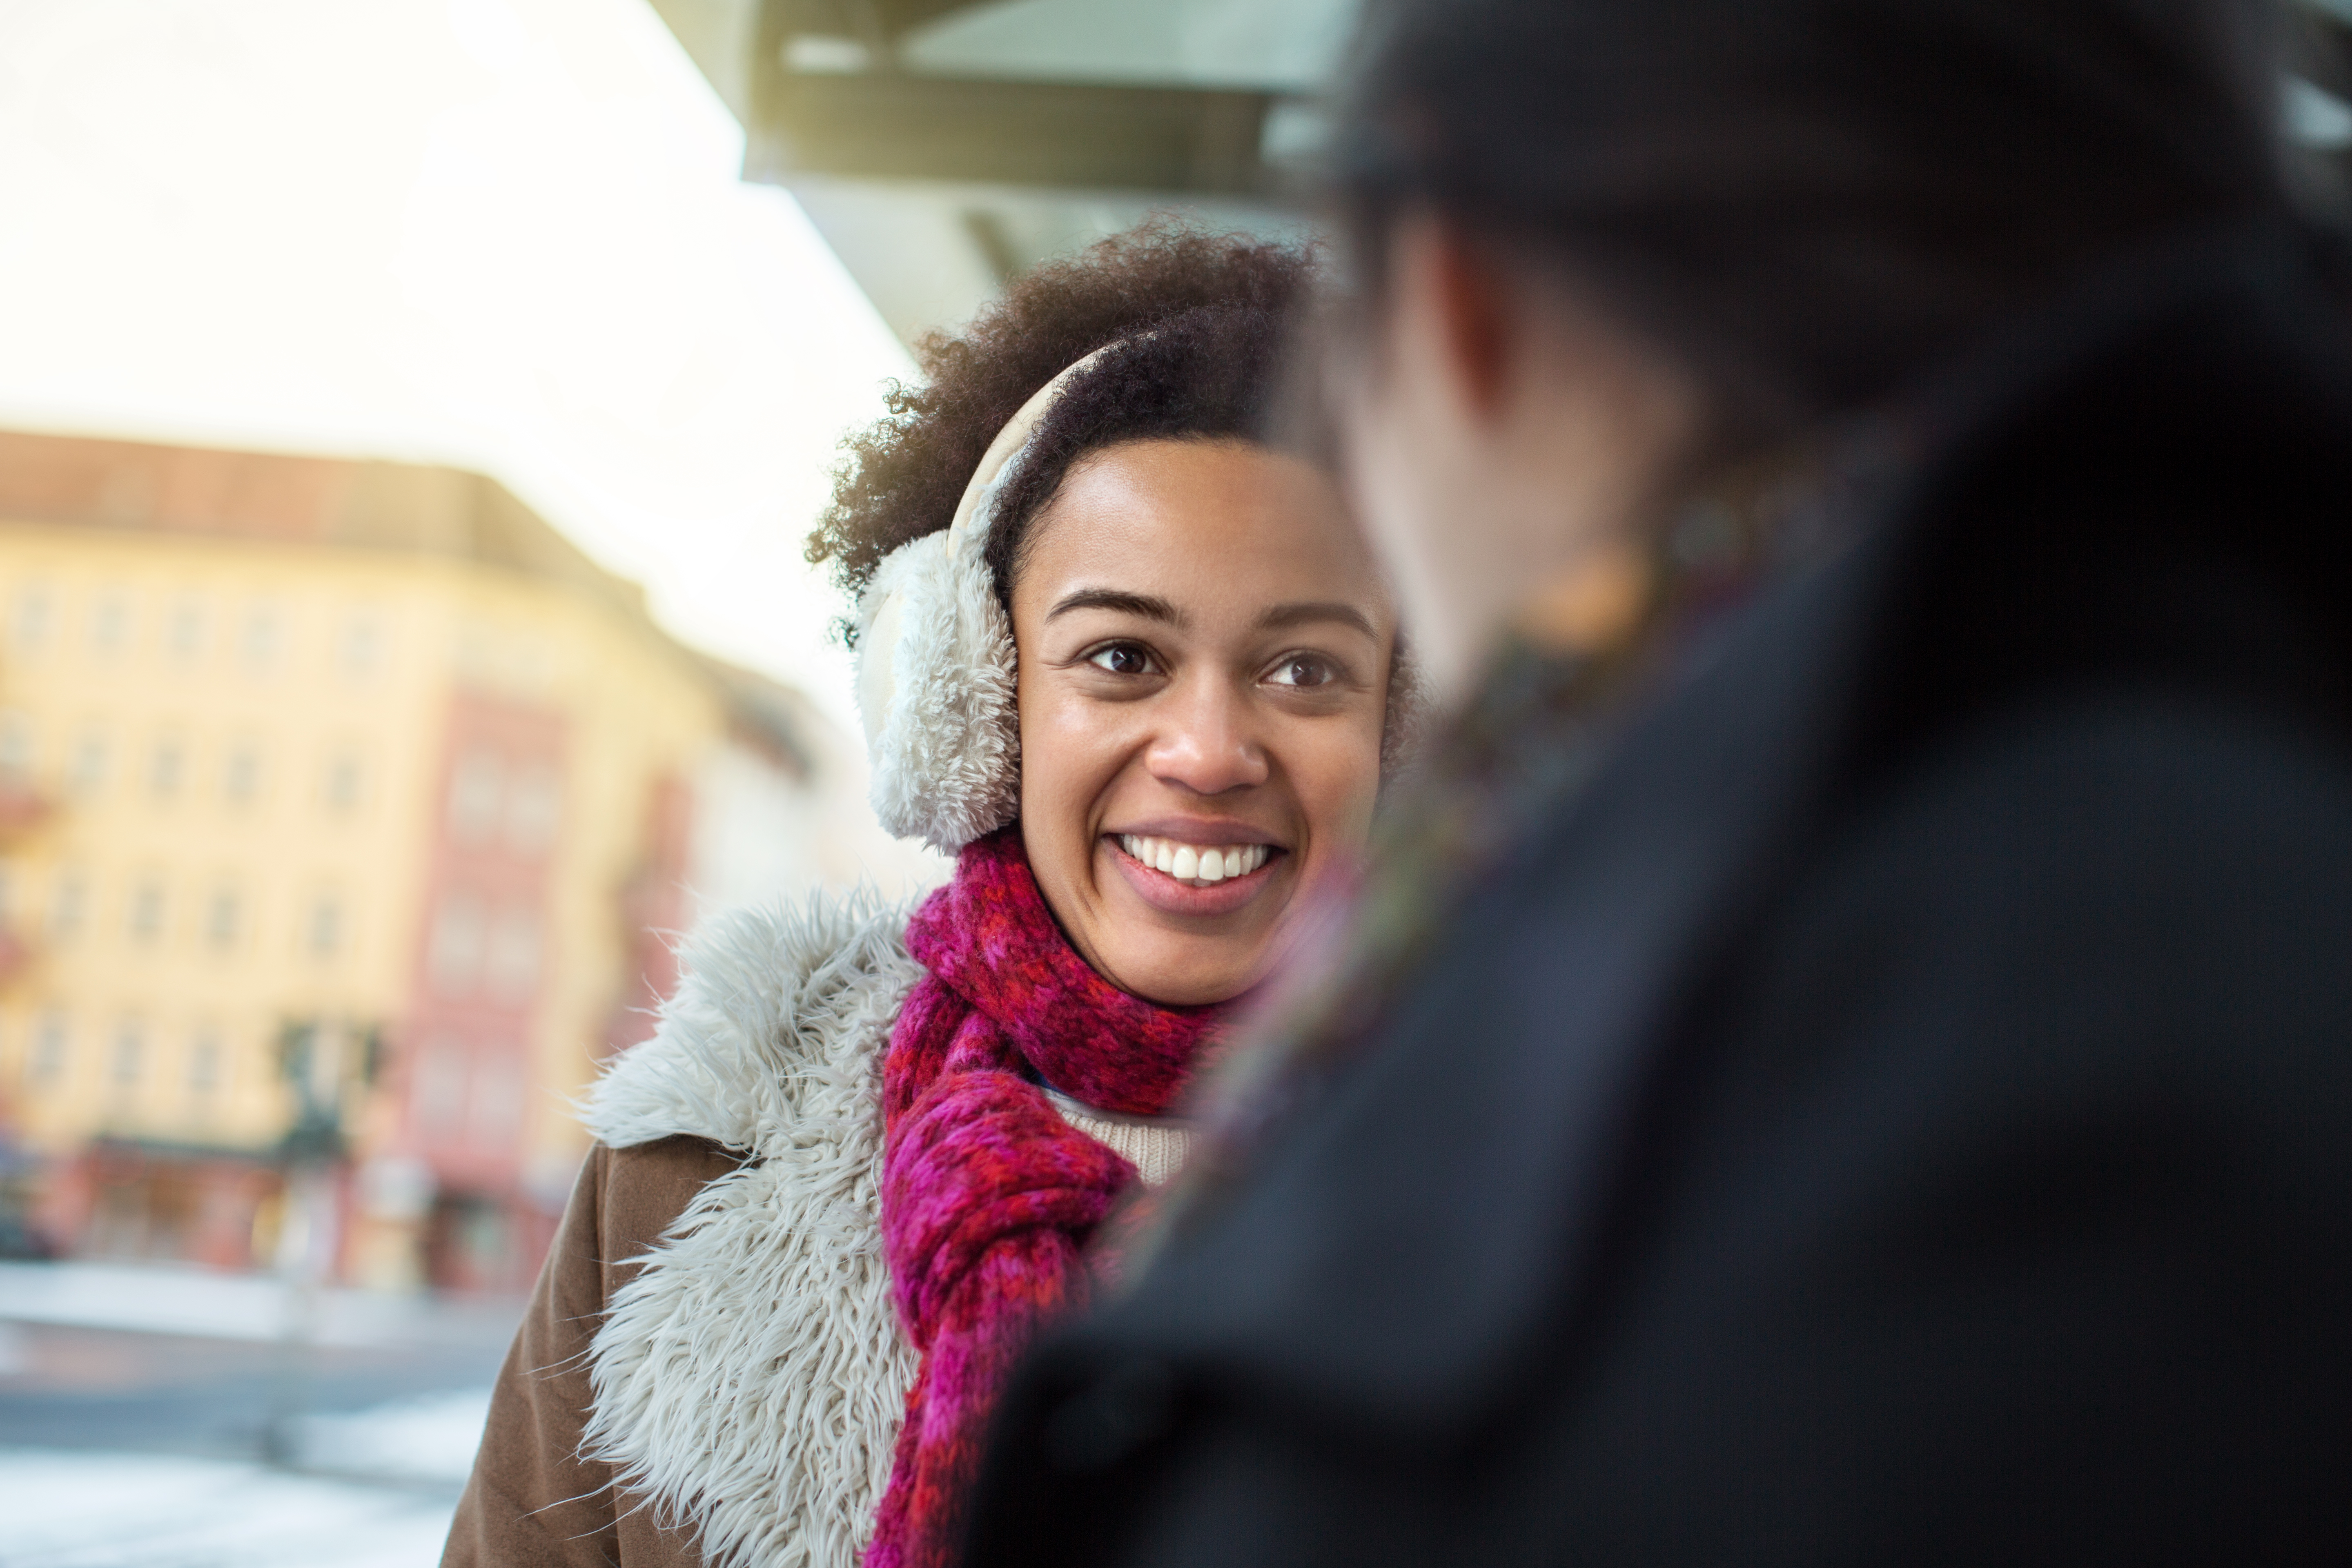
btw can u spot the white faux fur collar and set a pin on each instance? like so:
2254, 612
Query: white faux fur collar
750, 1380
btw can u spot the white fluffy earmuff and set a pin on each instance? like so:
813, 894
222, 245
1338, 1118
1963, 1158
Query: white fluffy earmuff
935, 662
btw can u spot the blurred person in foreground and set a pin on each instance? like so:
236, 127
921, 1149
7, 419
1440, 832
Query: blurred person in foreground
1881, 1090
1134, 667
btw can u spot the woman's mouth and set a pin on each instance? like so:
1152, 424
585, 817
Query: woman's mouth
1195, 865
1180, 878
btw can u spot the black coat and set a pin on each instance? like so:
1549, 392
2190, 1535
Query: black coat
1901, 1112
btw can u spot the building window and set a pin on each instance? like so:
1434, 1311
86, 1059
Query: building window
166, 766
224, 919
360, 647
261, 638
341, 785
438, 1096
510, 958
322, 932
241, 774
17, 753
44, 1061
207, 1063
534, 808
129, 1055
453, 950
110, 627
92, 756
70, 908
146, 912
498, 1100
184, 632
477, 791
32, 619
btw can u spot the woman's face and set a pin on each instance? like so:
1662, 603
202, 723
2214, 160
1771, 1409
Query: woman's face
1204, 646
1503, 441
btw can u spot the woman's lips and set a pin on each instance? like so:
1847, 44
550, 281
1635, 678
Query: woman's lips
1197, 865
1167, 893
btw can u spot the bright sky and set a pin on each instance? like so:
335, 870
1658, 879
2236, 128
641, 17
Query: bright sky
506, 234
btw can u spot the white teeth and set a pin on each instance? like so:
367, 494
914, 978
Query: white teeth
1191, 864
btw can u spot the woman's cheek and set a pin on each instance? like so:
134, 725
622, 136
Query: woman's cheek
1046, 791
1349, 792
1067, 759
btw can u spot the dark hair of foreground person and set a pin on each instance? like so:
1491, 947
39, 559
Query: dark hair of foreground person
1810, 202
1888, 1099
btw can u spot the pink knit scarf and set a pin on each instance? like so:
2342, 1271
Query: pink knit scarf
988, 1195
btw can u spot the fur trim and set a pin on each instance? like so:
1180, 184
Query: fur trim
941, 729
751, 1378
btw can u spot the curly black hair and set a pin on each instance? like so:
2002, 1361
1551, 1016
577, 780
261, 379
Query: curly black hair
1202, 317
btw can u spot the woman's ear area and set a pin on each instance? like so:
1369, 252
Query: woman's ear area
936, 674
1448, 312
877, 652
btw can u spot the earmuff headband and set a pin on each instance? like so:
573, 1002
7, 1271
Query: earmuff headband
1013, 442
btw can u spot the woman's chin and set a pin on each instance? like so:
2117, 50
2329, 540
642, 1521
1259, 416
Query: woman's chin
1189, 946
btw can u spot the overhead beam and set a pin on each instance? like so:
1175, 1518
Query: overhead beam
892, 125
819, 89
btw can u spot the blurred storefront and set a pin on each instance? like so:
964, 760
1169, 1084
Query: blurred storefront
346, 815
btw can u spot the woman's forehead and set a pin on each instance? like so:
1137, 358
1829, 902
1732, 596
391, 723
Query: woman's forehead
1199, 522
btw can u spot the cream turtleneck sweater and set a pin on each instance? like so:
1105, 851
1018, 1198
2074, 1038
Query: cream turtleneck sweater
1158, 1144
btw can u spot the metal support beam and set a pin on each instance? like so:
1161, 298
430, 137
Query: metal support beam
900, 126
821, 91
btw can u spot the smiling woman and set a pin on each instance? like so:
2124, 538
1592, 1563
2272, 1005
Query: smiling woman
1136, 669
1202, 690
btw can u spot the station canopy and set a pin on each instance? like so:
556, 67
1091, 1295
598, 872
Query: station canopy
942, 145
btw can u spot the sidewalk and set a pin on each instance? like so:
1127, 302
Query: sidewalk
142, 1511
136, 1405
159, 1299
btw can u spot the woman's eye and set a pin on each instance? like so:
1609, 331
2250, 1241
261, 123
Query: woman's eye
1121, 658
1304, 670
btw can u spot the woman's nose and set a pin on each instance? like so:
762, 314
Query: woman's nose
1206, 742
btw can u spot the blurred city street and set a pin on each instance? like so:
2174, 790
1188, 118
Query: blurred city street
158, 1417
408, 431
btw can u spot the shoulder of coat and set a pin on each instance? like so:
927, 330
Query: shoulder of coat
746, 1382
780, 1015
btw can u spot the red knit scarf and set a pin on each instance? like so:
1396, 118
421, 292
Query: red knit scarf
988, 1195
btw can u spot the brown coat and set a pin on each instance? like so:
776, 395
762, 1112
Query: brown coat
750, 1372
533, 1501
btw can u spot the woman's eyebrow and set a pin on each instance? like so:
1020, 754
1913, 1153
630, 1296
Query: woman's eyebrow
1283, 615
1150, 608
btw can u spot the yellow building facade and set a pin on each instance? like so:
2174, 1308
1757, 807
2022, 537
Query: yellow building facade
340, 780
